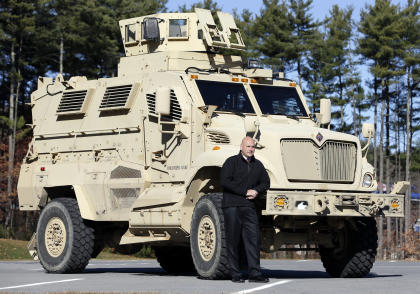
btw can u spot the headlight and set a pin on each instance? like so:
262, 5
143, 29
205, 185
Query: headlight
367, 180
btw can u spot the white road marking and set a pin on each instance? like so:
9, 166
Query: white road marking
301, 260
38, 284
262, 287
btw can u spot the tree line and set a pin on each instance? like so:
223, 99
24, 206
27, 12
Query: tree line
369, 68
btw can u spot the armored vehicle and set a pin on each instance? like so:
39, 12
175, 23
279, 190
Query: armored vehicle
136, 158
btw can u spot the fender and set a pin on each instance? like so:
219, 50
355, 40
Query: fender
87, 210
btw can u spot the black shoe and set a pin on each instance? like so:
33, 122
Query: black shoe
259, 279
238, 280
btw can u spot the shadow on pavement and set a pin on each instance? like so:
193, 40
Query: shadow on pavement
302, 274
154, 271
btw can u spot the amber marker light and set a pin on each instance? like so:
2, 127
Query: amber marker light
395, 204
235, 79
280, 202
254, 81
216, 148
194, 77
292, 84
244, 80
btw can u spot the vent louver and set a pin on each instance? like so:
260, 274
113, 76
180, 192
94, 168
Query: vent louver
151, 103
218, 138
72, 102
116, 97
176, 111
122, 172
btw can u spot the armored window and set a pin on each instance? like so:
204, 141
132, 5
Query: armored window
131, 34
227, 96
279, 100
178, 29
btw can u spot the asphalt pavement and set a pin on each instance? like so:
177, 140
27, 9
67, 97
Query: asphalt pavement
146, 276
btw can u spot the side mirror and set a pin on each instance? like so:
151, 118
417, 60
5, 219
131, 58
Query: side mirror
368, 130
151, 29
163, 101
325, 111
250, 124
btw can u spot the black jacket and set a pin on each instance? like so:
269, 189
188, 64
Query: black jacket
238, 176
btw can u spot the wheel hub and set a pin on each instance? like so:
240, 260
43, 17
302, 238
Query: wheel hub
55, 237
206, 238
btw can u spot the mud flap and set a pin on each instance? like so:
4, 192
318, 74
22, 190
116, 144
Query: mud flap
32, 247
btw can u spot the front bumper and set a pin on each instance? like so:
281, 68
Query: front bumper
312, 203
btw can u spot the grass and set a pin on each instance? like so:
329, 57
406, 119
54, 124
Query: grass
13, 249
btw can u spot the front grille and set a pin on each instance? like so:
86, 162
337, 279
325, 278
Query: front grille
338, 161
304, 161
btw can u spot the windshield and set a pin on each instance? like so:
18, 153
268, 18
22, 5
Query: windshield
227, 96
278, 100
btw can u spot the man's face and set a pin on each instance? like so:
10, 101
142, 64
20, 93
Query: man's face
248, 147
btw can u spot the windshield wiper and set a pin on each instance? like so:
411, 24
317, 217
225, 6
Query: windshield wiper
238, 113
293, 117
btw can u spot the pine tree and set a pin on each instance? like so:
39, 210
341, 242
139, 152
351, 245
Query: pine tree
339, 30
381, 29
411, 64
17, 22
303, 31
275, 35
317, 71
211, 5
246, 22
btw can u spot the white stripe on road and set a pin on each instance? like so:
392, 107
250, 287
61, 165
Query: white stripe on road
262, 287
38, 284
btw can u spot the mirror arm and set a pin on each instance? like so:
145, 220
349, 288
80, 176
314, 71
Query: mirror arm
257, 143
367, 145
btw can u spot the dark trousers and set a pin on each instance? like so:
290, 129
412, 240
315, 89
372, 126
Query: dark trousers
242, 222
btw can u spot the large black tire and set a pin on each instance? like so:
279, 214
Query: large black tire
64, 241
175, 259
208, 238
355, 252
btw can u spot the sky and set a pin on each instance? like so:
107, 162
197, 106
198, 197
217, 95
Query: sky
319, 7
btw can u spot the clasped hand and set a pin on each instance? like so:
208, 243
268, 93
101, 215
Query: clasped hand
251, 194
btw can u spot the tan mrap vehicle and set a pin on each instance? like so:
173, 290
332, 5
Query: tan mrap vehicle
135, 159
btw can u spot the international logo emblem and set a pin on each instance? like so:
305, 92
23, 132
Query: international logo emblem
319, 137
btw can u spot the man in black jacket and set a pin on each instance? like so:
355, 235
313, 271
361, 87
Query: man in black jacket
243, 178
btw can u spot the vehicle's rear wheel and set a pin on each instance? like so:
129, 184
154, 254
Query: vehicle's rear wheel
207, 240
175, 259
64, 241
355, 250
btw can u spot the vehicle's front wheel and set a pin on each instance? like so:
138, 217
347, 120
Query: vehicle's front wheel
355, 250
64, 241
207, 240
